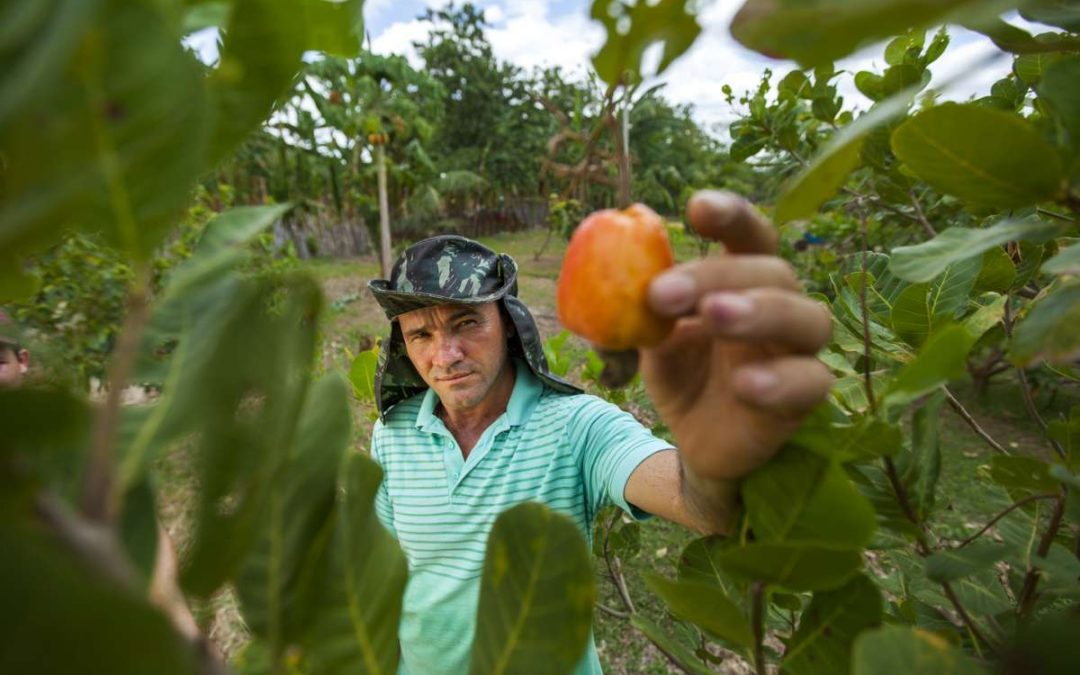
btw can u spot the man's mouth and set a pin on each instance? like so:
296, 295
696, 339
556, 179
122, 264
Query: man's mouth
453, 378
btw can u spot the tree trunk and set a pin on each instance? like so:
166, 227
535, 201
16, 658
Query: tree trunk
384, 212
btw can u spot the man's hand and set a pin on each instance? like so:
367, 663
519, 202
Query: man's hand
738, 374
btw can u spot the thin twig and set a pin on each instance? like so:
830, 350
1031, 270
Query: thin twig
995, 519
613, 612
1031, 580
868, 381
757, 619
97, 495
920, 215
615, 569
1025, 387
966, 416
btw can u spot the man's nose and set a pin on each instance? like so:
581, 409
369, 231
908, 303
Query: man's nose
447, 350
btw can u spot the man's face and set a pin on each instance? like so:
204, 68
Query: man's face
459, 350
14, 363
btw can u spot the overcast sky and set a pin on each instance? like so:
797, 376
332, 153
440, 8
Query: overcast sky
533, 33
559, 32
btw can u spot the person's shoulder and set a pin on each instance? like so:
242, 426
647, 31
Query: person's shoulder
401, 416
574, 407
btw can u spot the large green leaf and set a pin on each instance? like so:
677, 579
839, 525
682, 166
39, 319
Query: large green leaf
922, 262
62, 617
671, 647
955, 563
900, 650
246, 422
276, 582
828, 628
799, 497
1051, 329
536, 595
362, 374
1061, 13
947, 147
705, 606
633, 26
697, 564
829, 169
796, 568
356, 618
114, 142
922, 308
940, 360
814, 33
998, 272
1022, 473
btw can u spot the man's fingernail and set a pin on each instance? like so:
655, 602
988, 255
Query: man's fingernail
728, 308
757, 382
672, 293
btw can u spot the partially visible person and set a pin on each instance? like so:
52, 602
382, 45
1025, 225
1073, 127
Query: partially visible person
14, 358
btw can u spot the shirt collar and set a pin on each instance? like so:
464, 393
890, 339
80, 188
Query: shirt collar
527, 390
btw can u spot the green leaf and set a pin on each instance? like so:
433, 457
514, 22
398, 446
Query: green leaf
946, 146
246, 422
940, 360
829, 626
1022, 473
276, 582
362, 374
632, 28
113, 141
358, 611
1067, 261
922, 262
824, 31
987, 316
831, 166
697, 564
1030, 68
870, 84
952, 564
1050, 330
705, 606
92, 623
800, 498
900, 650
998, 272
795, 568
1060, 88
536, 595
672, 648
206, 14
1009, 38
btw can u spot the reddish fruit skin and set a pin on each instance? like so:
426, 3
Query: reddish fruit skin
605, 275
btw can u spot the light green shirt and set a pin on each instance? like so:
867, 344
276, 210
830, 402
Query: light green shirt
573, 453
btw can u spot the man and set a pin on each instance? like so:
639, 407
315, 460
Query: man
471, 422
14, 358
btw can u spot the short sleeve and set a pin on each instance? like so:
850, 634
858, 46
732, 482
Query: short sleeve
610, 444
384, 510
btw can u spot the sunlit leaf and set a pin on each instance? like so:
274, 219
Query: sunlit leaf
922, 262
536, 595
940, 360
946, 147
362, 374
828, 628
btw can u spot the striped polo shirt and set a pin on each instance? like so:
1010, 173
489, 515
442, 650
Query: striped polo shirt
572, 452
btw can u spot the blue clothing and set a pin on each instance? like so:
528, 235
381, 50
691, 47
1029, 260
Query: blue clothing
572, 452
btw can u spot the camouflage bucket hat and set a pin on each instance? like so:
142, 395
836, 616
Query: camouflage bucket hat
449, 269
9, 332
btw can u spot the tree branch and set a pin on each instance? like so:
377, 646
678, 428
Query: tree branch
993, 521
757, 620
1031, 580
99, 501
966, 416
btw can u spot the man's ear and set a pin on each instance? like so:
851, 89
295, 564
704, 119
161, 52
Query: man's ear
23, 357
